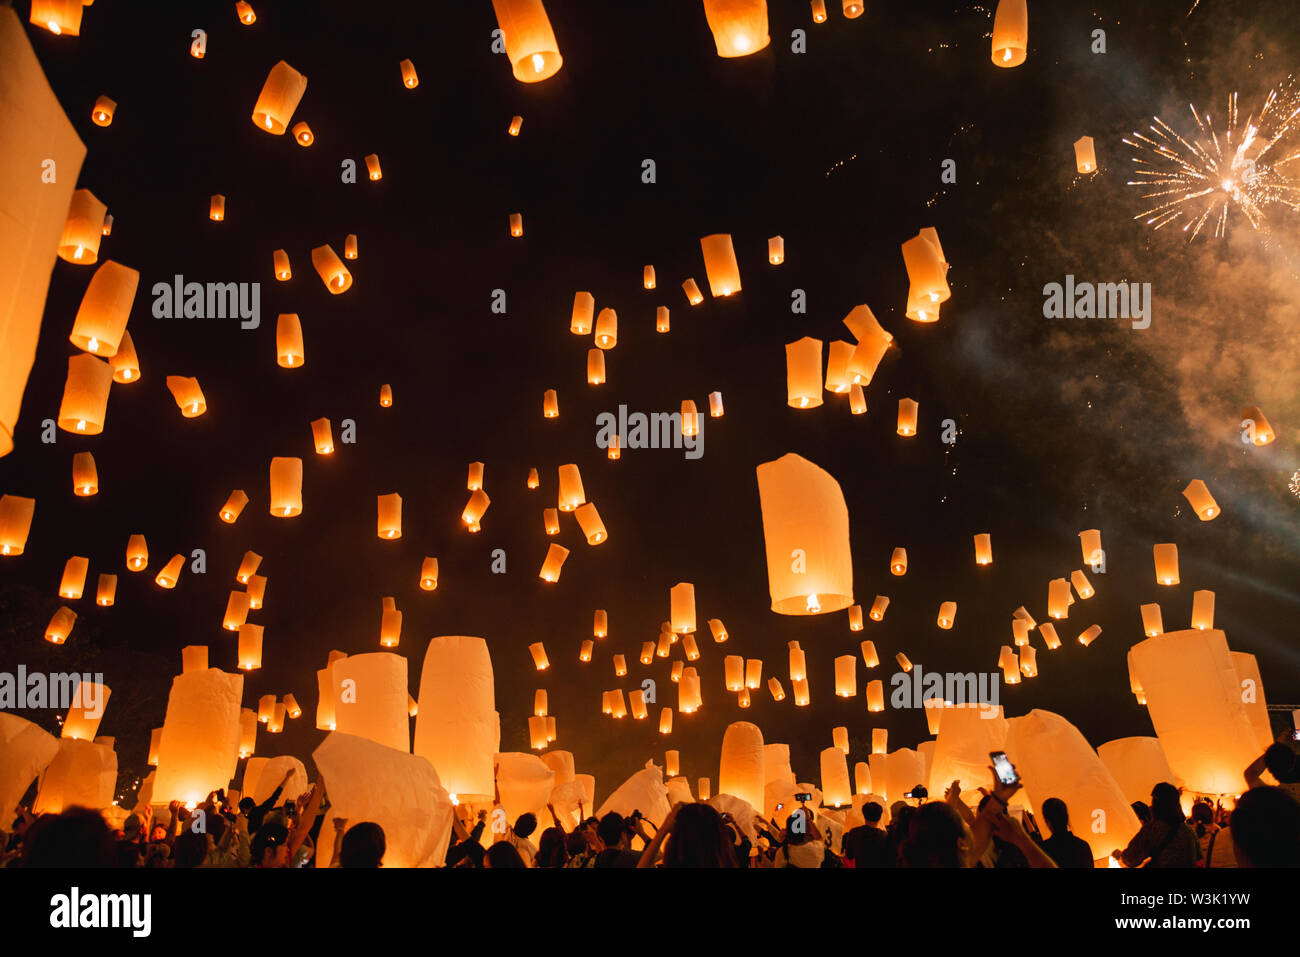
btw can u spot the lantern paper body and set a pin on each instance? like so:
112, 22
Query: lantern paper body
85, 477
331, 270
236, 611
194, 658
263, 775
897, 566
852, 9
873, 343
83, 230
983, 549
1137, 765
250, 646
1011, 40
429, 574
857, 401
86, 710
529, 40
806, 536
571, 493
869, 656
400, 792
554, 561
1194, 698
1058, 594
302, 134
125, 363
966, 736
516, 124
595, 367
74, 577
1082, 587
846, 676
25, 751
188, 395
410, 79
16, 513
280, 96
322, 436
681, 602
385, 396
1256, 425
836, 791
1202, 502
286, 487
516, 223
606, 330
85, 395
741, 768
907, 409
589, 521
247, 566
721, 269
927, 272
217, 208
803, 372
475, 508
904, 770
661, 319
1252, 693
550, 404
244, 11
256, 591
838, 378
370, 698
289, 351
36, 131
584, 310
81, 774
281, 264
102, 112
1085, 157
739, 26
525, 782
458, 728
1090, 543
1166, 561
947, 614
106, 590
644, 791
1055, 760
1203, 609
390, 516
170, 573
60, 626
200, 740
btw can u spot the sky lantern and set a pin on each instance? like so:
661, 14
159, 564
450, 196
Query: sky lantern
1203, 609
753, 671
302, 134
869, 656
607, 329
648, 277
872, 343
595, 367
776, 250
1202, 502
819, 16
410, 79
429, 574
907, 409
881, 602
124, 363
322, 436
60, 626
280, 96
474, 476
689, 698
551, 520
739, 26
585, 650
1090, 544
250, 646
155, 738
718, 630
620, 666
690, 418
108, 224
1058, 591
681, 602
390, 623
803, 373
385, 396
897, 563
1151, 621
374, 706
927, 272
600, 623
194, 658
550, 404
16, 513
331, 270
1010, 33
516, 124
529, 40
802, 693
1029, 661
840, 738
875, 695
857, 400
554, 561
539, 702
733, 669
1085, 157
188, 395
647, 655
903, 661
236, 611
741, 771
676, 673
1082, 586
798, 662
245, 13
1089, 635
947, 614
1020, 631
516, 222
85, 395
775, 689
983, 549
286, 486
83, 229
806, 537
661, 319
838, 378
289, 351
1260, 430
217, 208
199, 750
60, 17
1137, 764
1166, 561
1257, 709
619, 705
101, 114
589, 521
855, 618
852, 9
74, 577
836, 791
85, 477
390, 516
256, 591
584, 309
280, 263
234, 505
247, 734
720, 267
248, 565
666, 721
693, 294
846, 676
137, 553
537, 733
458, 728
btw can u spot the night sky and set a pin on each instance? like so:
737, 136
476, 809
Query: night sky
1064, 424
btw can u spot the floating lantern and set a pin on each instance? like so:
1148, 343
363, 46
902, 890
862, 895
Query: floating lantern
390, 516
74, 577
194, 658
1058, 593
666, 721
875, 695
234, 505
1090, 543
898, 562
288, 342
1020, 631
819, 16
516, 221
903, 661
620, 666
1166, 560
881, 602
840, 738
85, 477
648, 277
1260, 431
286, 487
661, 319
665, 645
137, 552
236, 611
537, 733
690, 418
102, 112
1202, 502
247, 735
60, 626
718, 629
83, 229
322, 436
753, 670
217, 208
838, 378
250, 646
869, 656
798, 663
385, 396
1085, 157
720, 267
715, 405
852, 9
474, 476
550, 404
350, 246
409, 78
983, 549
739, 26
106, 590
390, 624
60, 17
429, 574
475, 508
676, 674
855, 618
693, 294
1029, 662
733, 667
947, 614
776, 250
125, 363
529, 40
80, 724
927, 272
907, 409
245, 13
539, 702
846, 677
775, 689
516, 124
1010, 33
592, 527
681, 601
199, 748
595, 367
584, 309
551, 520
280, 262
1151, 621
1203, 610
85, 395
803, 373
248, 565
857, 401
689, 687
584, 652
1048, 631
256, 591
292, 708
302, 134
370, 694
636, 703
332, 272
1089, 635
647, 652
188, 395
458, 728
607, 329
879, 740
555, 556
873, 343
372, 167
108, 225
802, 695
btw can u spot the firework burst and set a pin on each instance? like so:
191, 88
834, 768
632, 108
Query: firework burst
1199, 179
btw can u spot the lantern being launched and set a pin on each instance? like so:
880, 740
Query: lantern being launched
1010, 33
739, 26
280, 96
806, 537
528, 38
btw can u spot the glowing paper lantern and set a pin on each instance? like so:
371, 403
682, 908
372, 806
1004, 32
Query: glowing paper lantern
983, 549
516, 124
739, 26
1020, 631
774, 687
852, 9
1029, 661
247, 566
302, 134
802, 694
1082, 586
881, 603
1252, 688
137, 552
245, 13
595, 367
106, 590
689, 699
85, 477
550, 404
60, 17
1202, 502
60, 626
600, 623
734, 672
236, 611
74, 577
429, 574
286, 487
846, 676
516, 222
554, 561
1058, 593
1137, 765
1090, 543
125, 363
250, 646
661, 319
648, 277
256, 591
85, 395
1258, 429
803, 371
855, 618
86, 710
584, 308
82, 773
83, 229
322, 436
903, 661
280, 96
194, 658
1203, 610
753, 672
681, 601
1166, 560
390, 624
873, 343
101, 114
528, 38
199, 749
1010, 43
798, 663
390, 516
869, 656
332, 273
875, 695
217, 208
188, 395
607, 329
584, 652
290, 353
1151, 621
718, 630
281, 265
907, 409
458, 729
693, 294
927, 272
369, 693
1085, 157
409, 78
741, 770
898, 562
947, 614
234, 505
385, 396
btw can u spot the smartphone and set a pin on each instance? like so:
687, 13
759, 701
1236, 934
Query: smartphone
1005, 770
803, 798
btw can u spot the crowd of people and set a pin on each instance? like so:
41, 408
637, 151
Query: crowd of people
1262, 829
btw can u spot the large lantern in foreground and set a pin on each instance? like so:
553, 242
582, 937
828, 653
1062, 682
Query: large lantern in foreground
199, 748
370, 698
741, 768
806, 537
528, 38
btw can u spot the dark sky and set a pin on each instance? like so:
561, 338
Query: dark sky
1065, 424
